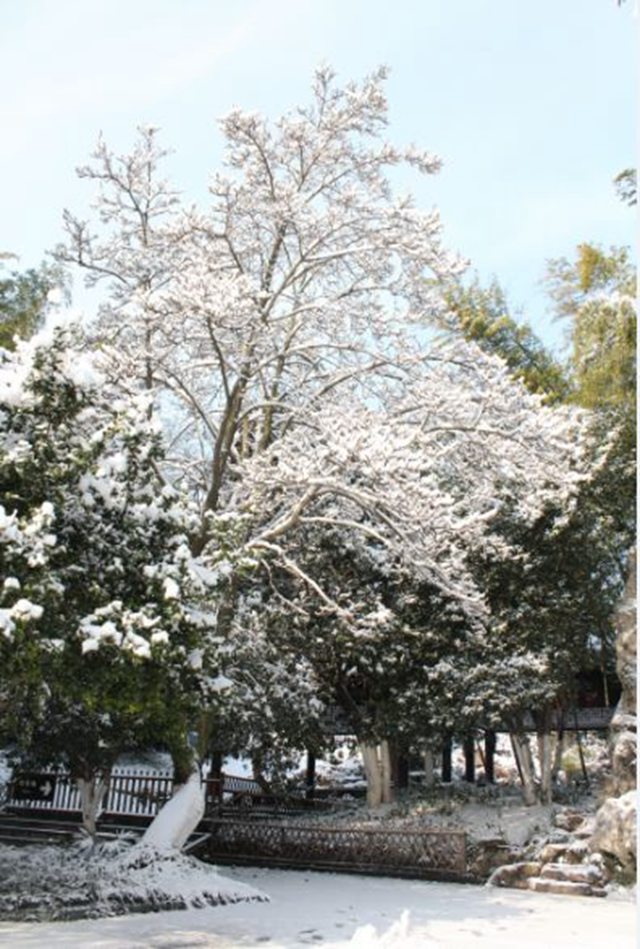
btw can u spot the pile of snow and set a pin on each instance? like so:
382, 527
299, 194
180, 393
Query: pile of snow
77, 881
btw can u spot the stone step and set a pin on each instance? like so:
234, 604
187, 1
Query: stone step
564, 887
515, 874
550, 852
572, 873
569, 819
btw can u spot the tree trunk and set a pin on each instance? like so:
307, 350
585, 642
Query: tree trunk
258, 775
92, 793
400, 769
446, 761
544, 752
379, 773
557, 754
489, 755
429, 769
583, 764
522, 753
215, 783
386, 772
310, 777
178, 818
469, 760
373, 773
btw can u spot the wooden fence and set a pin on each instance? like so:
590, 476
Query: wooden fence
141, 794
135, 793
426, 854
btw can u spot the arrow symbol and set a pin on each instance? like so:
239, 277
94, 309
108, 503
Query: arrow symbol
46, 788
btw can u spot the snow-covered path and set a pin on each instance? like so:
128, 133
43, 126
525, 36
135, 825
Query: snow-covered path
335, 911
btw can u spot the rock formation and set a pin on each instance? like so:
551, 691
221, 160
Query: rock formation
624, 724
615, 829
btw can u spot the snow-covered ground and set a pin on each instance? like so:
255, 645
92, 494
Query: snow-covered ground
334, 910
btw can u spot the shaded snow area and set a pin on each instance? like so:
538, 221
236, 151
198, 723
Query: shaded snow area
76, 881
480, 815
359, 912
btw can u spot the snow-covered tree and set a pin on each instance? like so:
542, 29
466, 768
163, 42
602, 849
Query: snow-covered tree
377, 655
553, 606
100, 648
306, 279
283, 331
369, 524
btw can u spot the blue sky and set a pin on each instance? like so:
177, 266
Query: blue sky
531, 104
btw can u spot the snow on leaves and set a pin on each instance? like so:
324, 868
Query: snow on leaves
427, 476
106, 553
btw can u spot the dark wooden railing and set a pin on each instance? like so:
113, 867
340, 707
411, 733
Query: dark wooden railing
428, 854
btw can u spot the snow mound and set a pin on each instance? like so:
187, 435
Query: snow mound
76, 882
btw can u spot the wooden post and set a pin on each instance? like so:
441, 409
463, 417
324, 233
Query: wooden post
446, 761
469, 760
489, 755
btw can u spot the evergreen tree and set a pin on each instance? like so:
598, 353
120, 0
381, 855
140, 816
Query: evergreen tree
100, 651
597, 293
551, 608
24, 299
482, 315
